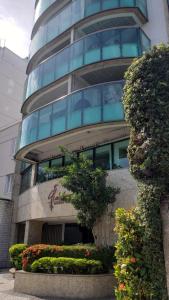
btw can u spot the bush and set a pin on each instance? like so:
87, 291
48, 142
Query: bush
131, 269
105, 255
65, 265
15, 252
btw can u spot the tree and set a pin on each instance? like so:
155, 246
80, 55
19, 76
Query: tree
146, 102
87, 190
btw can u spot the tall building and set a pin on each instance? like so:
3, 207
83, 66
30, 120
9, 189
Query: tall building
12, 77
79, 53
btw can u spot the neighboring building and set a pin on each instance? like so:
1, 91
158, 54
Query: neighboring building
12, 77
79, 52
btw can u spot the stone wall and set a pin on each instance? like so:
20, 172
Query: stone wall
5, 230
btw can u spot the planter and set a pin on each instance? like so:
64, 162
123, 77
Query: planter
64, 286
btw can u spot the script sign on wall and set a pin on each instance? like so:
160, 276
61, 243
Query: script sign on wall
54, 197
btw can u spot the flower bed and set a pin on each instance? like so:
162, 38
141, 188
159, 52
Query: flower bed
105, 255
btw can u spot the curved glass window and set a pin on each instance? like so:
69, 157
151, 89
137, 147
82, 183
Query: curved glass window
41, 6
104, 45
97, 104
107, 157
71, 14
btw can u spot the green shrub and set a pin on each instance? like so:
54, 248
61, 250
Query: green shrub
131, 268
105, 254
15, 252
146, 104
65, 265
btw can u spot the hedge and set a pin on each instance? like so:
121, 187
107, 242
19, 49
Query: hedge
15, 252
65, 265
105, 255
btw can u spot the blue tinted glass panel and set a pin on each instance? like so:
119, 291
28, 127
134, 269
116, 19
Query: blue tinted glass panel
92, 106
127, 3
103, 157
75, 106
120, 154
62, 63
112, 105
45, 122
129, 40
59, 117
76, 55
48, 73
92, 49
92, 7
29, 130
111, 44
108, 4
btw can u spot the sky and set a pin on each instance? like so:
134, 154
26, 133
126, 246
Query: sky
16, 20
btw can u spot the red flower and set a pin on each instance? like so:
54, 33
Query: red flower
24, 263
122, 287
87, 253
133, 260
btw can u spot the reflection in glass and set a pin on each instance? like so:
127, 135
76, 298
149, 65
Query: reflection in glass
73, 12
103, 157
45, 122
100, 103
120, 154
109, 44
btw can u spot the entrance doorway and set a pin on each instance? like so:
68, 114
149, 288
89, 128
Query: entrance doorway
52, 234
75, 234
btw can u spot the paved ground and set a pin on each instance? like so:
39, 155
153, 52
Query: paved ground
6, 289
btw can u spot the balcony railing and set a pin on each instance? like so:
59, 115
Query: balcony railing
74, 12
97, 47
41, 6
97, 104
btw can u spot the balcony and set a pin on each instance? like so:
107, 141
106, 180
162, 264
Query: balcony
112, 44
79, 10
41, 6
100, 104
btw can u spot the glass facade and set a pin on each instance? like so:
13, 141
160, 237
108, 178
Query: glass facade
108, 157
41, 6
100, 46
97, 104
72, 13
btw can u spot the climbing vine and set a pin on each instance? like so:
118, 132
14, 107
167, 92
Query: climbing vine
146, 102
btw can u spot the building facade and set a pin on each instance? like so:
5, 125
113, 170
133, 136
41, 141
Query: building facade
79, 53
12, 77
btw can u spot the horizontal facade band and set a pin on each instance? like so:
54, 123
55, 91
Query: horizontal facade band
101, 46
97, 104
72, 13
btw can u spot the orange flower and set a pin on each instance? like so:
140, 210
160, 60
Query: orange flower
87, 253
122, 287
133, 260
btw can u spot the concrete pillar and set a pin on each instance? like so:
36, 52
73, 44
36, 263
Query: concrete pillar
15, 196
165, 222
33, 232
33, 176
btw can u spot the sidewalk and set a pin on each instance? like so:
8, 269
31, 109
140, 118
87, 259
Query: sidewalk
7, 293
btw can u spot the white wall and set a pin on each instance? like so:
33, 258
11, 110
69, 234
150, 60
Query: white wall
7, 163
157, 27
12, 78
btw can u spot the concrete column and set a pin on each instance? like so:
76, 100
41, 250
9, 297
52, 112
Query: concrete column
15, 197
165, 222
33, 232
72, 35
33, 176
